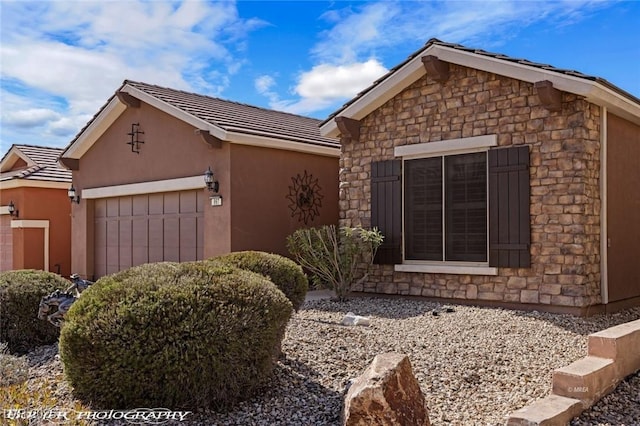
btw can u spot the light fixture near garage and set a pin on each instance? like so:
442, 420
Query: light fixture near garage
73, 195
12, 210
212, 185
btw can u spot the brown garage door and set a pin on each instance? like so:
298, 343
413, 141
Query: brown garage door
139, 229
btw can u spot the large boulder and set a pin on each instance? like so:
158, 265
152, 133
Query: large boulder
387, 393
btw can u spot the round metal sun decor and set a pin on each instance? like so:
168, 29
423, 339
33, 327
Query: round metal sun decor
305, 197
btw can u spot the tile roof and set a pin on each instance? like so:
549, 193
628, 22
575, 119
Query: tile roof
232, 116
42, 164
239, 117
499, 56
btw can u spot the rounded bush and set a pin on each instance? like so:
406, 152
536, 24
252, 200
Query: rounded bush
20, 294
189, 335
283, 272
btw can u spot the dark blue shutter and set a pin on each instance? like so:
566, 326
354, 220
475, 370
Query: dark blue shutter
386, 209
509, 211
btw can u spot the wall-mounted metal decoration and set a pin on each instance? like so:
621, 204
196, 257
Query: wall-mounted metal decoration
135, 137
305, 197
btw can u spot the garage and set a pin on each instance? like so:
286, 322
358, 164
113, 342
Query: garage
137, 229
165, 175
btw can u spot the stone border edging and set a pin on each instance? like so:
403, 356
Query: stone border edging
612, 355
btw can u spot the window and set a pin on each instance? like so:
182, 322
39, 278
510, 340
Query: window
460, 202
445, 211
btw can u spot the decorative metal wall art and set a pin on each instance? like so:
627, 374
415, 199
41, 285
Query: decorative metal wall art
135, 137
305, 197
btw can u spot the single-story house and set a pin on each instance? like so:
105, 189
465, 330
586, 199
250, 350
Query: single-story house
165, 175
495, 180
35, 227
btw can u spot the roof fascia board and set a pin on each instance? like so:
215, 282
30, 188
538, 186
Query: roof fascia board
376, 97
592, 90
619, 105
102, 122
175, 112
10, 159
28, 183
267, 142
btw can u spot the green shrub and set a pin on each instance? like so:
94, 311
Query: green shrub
20, 294
13, 369
335, 255
283, 272
190, 335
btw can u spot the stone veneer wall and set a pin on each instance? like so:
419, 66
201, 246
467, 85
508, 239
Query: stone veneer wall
565, 195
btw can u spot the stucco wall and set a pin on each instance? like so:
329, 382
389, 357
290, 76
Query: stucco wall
171, 150
253, 183
262, 180
565, 167
41, 204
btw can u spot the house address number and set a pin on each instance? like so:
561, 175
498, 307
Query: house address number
216, 200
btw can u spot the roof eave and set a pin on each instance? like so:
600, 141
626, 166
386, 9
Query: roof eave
413, 69
264, 141
593, 91
95, 129
12, 156
33, 183
178, 113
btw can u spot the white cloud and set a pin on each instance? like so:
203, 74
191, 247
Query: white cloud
264, 83
32, 117
81, 51
343, 55
333, 82
360, 32
355, 32
67, 126
323, 85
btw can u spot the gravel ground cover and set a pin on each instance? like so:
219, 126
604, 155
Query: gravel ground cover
620, 408
474, 365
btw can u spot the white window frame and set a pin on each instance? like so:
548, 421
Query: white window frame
441, 149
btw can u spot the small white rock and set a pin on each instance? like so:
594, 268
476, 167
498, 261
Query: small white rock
353, 319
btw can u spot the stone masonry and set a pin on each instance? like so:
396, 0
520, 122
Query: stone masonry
565, 195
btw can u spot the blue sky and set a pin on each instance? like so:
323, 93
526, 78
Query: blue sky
61, 60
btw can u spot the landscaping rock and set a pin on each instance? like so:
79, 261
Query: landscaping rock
387, 393
353, 319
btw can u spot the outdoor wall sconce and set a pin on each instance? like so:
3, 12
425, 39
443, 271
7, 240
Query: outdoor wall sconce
12, 210
73, 196
212, 185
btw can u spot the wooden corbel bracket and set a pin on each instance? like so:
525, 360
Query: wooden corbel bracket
550, 97
128, 100
209, 139
70, 163
349, 128
436, 69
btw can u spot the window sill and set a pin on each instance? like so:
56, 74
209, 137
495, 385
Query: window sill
447, 269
